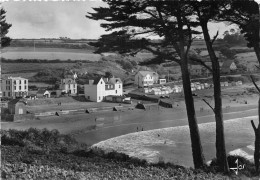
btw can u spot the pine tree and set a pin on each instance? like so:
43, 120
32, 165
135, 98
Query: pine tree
133, 22
206, 11
5, 41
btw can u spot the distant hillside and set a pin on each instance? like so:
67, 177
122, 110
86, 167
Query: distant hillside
54, 43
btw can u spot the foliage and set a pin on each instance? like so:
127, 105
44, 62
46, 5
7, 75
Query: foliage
248, 170
5, 40
108, 74
245, 14
21, 60
50, 76
67, 159
234, 37
227, 52
125, 64
38, 141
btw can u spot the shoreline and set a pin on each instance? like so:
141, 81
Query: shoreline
173, 144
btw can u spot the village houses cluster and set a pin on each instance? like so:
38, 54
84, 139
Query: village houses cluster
97, 90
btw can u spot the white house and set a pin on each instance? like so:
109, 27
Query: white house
43, 93
146, 78
14, 87
96, 90
162, 81
68, 85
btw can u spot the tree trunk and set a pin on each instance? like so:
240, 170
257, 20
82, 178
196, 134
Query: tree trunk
197, 151
257, 140
257, 52
220, 136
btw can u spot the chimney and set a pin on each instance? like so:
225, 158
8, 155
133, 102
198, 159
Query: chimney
91, 82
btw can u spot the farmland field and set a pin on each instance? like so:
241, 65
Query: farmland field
60, 53
49, 53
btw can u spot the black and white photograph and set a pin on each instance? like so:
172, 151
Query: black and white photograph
130, 89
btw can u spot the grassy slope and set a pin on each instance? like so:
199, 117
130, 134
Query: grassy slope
248, 59
29, 69
24, 153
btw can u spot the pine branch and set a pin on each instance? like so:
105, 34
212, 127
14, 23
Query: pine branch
253, 125
202, 63
255, 84
214, 38
209, 105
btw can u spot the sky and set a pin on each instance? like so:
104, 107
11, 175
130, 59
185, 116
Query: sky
54, 19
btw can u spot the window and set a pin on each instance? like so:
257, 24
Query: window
20, 111
14, 82
20, 82
24, 87
14, 87
25, 81
3, 93
119, 86
20, 87
116, 91
99, 96
9, 94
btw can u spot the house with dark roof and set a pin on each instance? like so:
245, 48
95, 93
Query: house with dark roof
146, 78
228, 66
17, 106
97, 89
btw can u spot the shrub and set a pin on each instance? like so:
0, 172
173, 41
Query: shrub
33, 149
248, 170
40, 141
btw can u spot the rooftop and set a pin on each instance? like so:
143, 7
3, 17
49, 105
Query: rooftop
16, 78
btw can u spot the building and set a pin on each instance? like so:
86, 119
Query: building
68, 85
146, 78
228, 66
17, 106
96, 90
161, 81
14, 87
43, 93
196, 70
